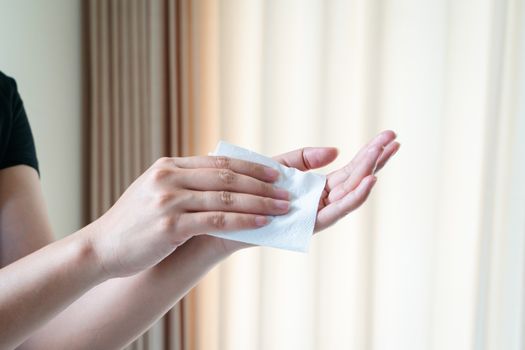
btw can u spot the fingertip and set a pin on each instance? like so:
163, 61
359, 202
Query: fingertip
395, 148
389, 132
271, 173
331, 154
385, 137
261, 220
332, 151
328, 154
282, 205
281, 193
391, 149
316, 157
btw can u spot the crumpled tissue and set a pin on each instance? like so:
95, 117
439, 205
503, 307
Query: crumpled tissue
292, 231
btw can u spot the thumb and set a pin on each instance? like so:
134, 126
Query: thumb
308, 158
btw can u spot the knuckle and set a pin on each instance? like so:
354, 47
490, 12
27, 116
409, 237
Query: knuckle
160, 174
226, 197
188, 196
164, 161
227, 176
265, 188
268, 203
217, 220
222, 162
163, 199
207, 199
256, 169
167, 224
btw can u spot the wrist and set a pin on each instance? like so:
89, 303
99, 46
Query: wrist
224, 247
216, 248
87, 254
203, 251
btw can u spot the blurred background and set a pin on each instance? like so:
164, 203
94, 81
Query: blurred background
433, 260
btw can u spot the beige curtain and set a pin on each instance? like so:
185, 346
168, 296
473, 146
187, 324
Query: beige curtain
436, 258
145, 62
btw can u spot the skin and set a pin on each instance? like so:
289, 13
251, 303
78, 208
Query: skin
107, 283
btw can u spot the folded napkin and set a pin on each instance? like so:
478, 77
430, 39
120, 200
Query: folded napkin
292, 231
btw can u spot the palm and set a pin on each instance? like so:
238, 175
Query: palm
346, 188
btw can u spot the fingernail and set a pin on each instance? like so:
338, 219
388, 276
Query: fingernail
282, 204
282, 194
261, 220
271, 173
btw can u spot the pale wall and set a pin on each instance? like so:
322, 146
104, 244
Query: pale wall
40, 46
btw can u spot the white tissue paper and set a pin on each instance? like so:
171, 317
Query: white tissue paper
292, 231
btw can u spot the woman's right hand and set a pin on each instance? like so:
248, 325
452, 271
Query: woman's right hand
177, 198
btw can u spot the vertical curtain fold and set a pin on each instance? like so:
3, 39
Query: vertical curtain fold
140, 107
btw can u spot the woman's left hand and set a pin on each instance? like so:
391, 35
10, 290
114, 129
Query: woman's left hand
346, 188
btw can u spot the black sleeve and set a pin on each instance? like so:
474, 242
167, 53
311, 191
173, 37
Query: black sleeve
18, 145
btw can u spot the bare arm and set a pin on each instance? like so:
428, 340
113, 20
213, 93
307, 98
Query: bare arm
170, 203
134, 303
58, 273
21, 198
117, 311
113, 314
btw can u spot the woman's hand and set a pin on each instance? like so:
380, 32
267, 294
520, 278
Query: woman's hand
177, 198
346, 188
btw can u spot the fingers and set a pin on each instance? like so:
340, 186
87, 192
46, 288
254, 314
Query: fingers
196, 223
365, 168
254, 170
235, 202
308, 158
381, 140
227, 180
336, 210
388, 152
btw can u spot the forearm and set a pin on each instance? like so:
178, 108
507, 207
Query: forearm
116, 312
37, 287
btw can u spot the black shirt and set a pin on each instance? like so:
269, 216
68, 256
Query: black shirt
16, 140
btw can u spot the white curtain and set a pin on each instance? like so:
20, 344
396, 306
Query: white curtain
435, 258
